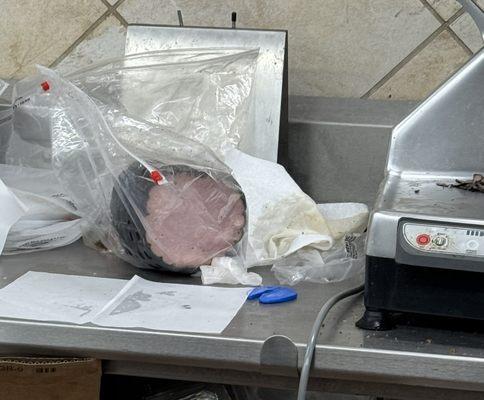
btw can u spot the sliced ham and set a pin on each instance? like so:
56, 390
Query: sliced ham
181, 224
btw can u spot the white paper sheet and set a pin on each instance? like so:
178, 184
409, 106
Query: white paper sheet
137, 303
11, 211
172, 307
43, 296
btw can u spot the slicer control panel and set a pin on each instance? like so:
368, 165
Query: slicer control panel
444, 240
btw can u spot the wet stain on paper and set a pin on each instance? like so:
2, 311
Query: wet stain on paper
131, 303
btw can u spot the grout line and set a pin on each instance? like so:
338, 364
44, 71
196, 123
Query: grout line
456, 37
478, 5
403, 62
118, 3
449, 29
412, 54
115, 12
460, 41
454, 17
433, 11
120, 18
106, 3
89, 30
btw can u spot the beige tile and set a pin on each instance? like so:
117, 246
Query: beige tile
424, 73
38, 31
445, 8
106, 41
336, 47
468, 32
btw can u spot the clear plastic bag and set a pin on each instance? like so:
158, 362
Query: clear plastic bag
345, 260
155, 198
202, 94
30, 143
6, 117
51, 219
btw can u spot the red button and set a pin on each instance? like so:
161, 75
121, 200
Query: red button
423, 239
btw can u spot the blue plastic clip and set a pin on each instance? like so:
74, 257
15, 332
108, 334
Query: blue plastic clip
272, 294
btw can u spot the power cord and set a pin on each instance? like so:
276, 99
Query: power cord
308, 357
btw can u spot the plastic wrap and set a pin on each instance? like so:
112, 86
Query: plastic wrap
202, 94
155, 198
29, 144
6, 117
282, 220
344, 261
51, 219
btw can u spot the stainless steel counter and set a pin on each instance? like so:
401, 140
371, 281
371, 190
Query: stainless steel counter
408, 362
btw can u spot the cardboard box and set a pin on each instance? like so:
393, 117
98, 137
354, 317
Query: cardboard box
25, 378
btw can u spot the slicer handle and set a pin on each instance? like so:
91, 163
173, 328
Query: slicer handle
475, 12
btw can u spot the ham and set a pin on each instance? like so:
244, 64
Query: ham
181, 224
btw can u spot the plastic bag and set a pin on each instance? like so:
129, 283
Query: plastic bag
6, 117
161, 201
51, 219
30, 143
282, 220
202, 94
310, 265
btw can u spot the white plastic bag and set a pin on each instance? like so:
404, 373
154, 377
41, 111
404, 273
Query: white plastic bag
50, 220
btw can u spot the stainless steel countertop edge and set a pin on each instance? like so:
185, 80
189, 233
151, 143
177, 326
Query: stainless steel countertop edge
191, 350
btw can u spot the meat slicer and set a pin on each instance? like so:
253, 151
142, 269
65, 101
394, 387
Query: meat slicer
425, 248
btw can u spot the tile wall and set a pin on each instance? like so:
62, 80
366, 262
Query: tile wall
381, 49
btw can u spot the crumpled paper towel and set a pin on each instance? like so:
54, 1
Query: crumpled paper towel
281, 220
281, 217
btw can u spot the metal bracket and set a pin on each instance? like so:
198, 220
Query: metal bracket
279, 356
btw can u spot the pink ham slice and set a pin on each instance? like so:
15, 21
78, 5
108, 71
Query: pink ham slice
192, 219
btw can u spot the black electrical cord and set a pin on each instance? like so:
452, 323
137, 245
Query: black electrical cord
308, 357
